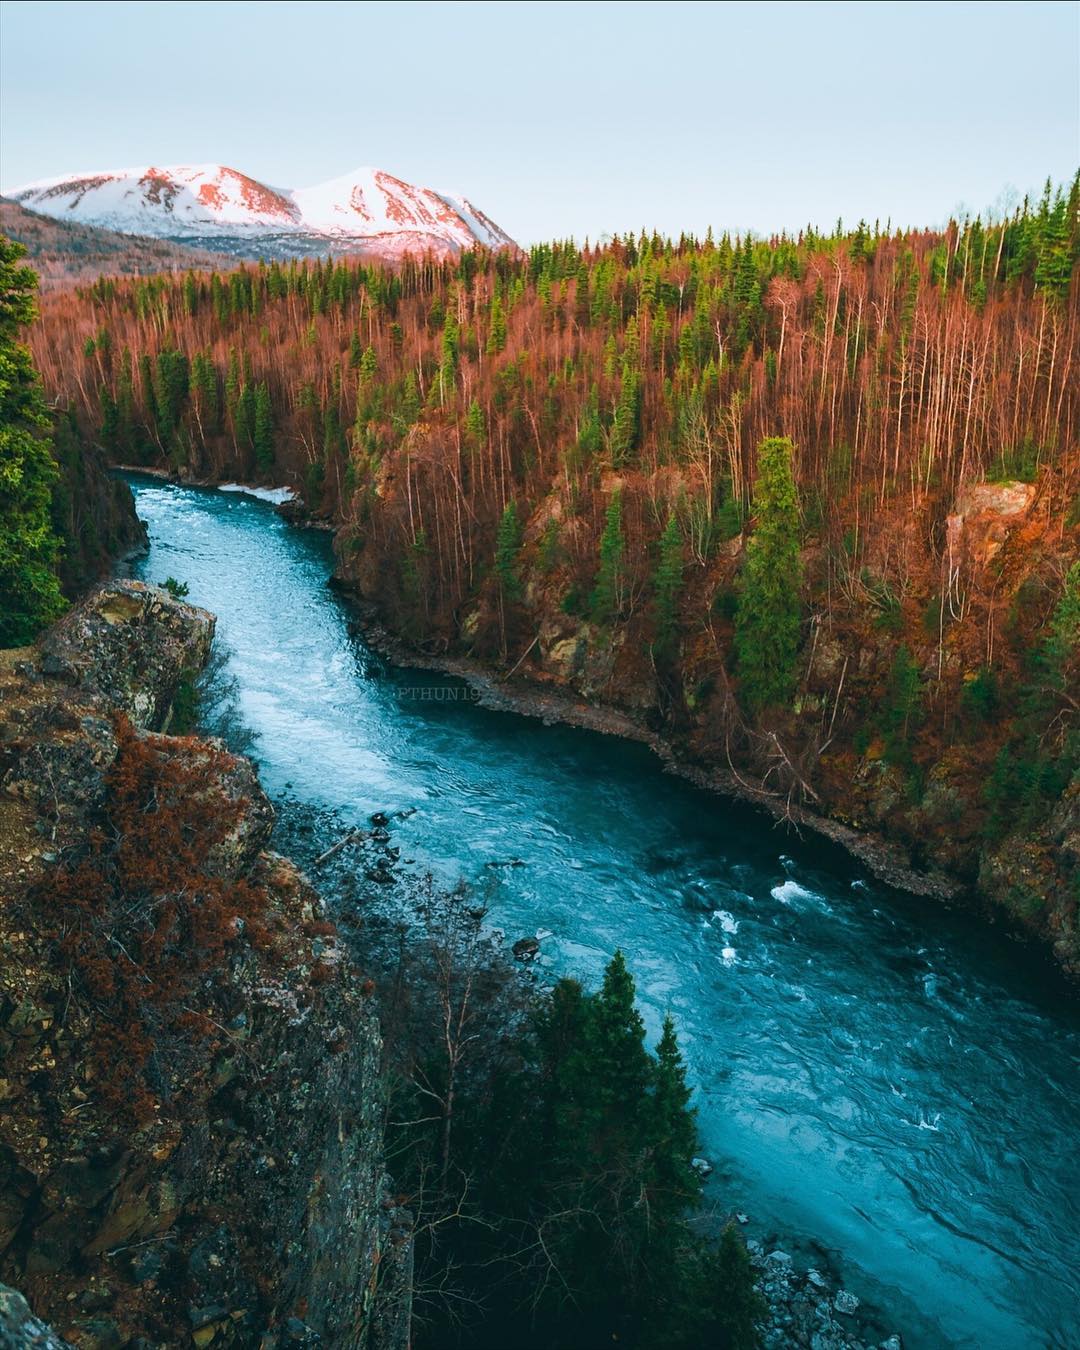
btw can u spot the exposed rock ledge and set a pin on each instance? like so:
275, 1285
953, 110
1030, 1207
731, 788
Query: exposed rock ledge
246, 1206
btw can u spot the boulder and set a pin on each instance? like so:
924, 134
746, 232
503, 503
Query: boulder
135, 644
985, 514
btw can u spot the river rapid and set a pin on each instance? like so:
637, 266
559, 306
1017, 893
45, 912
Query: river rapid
898, 1081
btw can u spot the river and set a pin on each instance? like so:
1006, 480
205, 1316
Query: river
898, 1081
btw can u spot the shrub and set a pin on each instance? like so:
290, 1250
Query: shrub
139, 918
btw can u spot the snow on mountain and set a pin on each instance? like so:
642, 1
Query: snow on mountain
161, 202
368, 210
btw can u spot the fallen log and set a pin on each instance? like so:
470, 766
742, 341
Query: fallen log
354, 837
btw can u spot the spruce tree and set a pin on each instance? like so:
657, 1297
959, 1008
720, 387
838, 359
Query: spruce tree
1053, 265
626, 428
29, 590
668, 583
369, 368
475, 428
768, 616
672, 1130
606, 592
496, 327
734, 1305
410, 399
263, 429
507, 548
616, 1045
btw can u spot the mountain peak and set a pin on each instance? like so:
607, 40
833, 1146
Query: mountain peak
368, 210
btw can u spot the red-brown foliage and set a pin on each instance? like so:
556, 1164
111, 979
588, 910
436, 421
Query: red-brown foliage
140, 918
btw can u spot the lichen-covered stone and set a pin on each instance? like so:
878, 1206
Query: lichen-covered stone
132, 643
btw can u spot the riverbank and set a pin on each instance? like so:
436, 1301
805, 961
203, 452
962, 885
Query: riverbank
550, 703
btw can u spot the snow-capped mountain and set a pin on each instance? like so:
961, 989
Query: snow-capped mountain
213, 206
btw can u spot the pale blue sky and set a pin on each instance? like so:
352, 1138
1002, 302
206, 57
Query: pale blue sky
561, 119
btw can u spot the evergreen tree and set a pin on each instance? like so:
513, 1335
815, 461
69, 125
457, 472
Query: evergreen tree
171, 385
369, 368
475, 429
1053, 260
734, 1305
333, 438
245, 417
496, 327
767, 619
672, 1128
191, 295
607, 589
507, 548
410, 399
668, 583
626, 428
29, 590
582, 302
263, 431
616, 1045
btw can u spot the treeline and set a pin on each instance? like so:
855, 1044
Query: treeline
892, 360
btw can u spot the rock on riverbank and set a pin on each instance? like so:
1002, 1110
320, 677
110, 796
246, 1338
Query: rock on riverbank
806, 1311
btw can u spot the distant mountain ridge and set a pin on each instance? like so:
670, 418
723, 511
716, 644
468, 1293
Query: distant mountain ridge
215, 207
64, 253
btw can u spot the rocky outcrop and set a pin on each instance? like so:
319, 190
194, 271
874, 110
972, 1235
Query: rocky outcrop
191, 1125
1024, 870
131, 645
984, 515
93, 511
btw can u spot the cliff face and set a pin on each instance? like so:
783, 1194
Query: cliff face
93, 513
191, 1136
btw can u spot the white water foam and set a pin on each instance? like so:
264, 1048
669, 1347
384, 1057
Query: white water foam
275, 495
791, 890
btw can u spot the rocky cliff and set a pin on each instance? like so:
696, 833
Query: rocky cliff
191, 1136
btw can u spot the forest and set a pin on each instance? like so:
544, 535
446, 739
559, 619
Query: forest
809, 504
